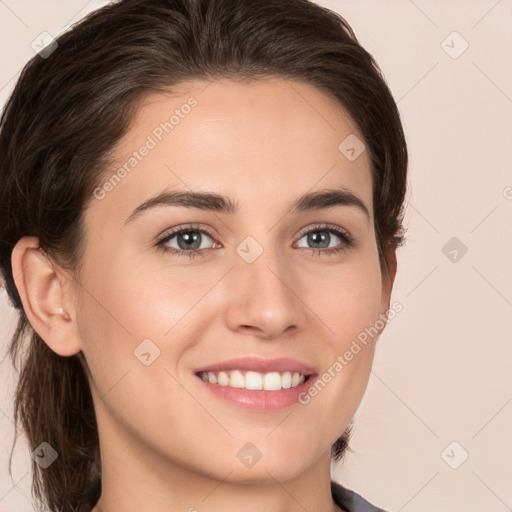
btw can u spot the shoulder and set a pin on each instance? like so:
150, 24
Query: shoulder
351, 501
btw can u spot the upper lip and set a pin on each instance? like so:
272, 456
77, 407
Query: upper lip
282, 364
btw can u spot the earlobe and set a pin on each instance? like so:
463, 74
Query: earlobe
42, 293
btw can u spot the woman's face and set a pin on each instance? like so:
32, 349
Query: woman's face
284, 281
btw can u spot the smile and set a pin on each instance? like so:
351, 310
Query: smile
272, 381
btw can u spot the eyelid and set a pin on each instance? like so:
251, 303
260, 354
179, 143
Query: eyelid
186, 227
328, 227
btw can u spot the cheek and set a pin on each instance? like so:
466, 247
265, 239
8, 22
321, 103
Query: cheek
125, 308
349, 306
138, 303
346, 298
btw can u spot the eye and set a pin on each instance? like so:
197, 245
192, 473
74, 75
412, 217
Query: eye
189, 241
321, 237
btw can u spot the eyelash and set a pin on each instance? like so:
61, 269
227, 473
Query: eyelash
347, 241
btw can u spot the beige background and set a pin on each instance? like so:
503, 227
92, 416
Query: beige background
442, 369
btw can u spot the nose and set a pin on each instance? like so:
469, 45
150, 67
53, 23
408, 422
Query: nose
264, 298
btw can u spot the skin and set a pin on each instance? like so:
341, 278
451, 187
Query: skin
163, 438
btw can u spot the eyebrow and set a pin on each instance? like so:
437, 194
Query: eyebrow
210, 201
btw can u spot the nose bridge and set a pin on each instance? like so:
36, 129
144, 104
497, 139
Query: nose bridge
263, 295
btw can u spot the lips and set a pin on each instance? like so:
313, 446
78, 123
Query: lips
257, 384
252, 364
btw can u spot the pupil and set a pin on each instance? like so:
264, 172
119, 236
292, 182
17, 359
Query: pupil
314, 238
190, 238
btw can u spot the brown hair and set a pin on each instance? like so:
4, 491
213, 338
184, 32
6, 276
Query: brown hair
68, 110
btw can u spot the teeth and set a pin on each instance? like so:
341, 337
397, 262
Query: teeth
286, 380
272, 381
253, 380
236, 379
222, 379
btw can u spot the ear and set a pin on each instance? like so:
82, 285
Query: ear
388, 281
47, 297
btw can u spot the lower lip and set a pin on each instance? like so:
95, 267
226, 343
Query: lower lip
257, 399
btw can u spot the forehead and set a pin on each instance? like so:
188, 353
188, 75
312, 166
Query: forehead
272, 138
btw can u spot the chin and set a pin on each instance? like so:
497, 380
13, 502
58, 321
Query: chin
266, 464
265, 473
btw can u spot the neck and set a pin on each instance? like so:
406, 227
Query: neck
149, 485
283, 497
